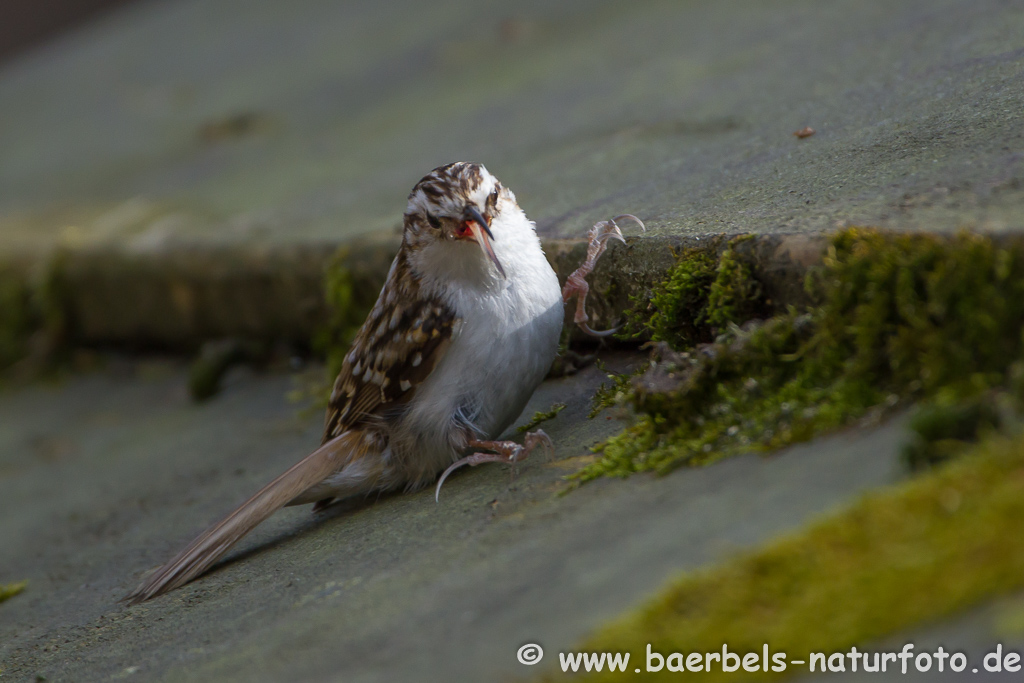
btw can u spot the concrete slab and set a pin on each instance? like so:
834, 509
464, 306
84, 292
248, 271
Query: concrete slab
105, 476
227, 120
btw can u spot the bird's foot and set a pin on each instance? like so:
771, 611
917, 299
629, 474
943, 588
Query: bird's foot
576, 284
504, 451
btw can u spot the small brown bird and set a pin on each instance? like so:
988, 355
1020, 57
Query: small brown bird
462, 333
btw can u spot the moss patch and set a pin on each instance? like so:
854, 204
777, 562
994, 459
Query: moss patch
918, 551
349, 293
346, 314
17, 320
8, 591
617, 391
943, 427
700, 296
35, 327
897, 317
540, 417
215, 358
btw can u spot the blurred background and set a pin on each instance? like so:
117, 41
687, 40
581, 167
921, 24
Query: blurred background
24, 25
179, 121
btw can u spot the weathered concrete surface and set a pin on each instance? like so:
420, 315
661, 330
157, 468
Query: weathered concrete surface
225, 120
107, 475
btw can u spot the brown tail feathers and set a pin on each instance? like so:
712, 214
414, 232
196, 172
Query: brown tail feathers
215, 541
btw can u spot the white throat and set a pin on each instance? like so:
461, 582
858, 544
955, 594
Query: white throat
462, 264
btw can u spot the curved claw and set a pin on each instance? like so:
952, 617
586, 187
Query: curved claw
509, 452
576, 284
596, 333
609, 233
451, 468
632, 218
539, 438
477, 459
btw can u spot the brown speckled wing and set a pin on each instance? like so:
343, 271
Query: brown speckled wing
403, 338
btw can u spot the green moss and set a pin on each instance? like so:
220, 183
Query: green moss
345, 314
17, 320
215, 359
941, 428
50, 298
701, 295
922, 550
735, 295
348, 300
616, 392
541, 417
208, 369
35, 327
674, 309
8, 591
897, 317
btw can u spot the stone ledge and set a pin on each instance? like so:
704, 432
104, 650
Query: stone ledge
180, 297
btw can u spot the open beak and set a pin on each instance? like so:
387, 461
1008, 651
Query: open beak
482, 233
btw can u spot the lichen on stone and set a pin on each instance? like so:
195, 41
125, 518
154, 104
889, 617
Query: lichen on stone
896, 318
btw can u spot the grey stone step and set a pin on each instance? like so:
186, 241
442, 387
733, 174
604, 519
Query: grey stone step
108, 475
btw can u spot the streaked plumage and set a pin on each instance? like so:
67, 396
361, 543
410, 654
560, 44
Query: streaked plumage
463, 331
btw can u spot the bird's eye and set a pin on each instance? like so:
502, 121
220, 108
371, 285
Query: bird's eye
493, 199
433, 220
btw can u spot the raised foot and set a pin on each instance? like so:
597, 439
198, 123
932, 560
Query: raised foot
504, 451
576, 284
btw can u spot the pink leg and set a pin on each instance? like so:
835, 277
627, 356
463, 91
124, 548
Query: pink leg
576, 284
505, 451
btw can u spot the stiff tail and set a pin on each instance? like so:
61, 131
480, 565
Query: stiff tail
215, 541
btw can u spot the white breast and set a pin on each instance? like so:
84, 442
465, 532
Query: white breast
501, 351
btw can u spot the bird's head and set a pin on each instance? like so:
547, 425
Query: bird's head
459, 205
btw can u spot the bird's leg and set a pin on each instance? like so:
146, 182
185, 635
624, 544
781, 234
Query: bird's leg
504, 451
576, 284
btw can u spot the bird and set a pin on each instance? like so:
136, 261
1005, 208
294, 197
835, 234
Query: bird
465, 327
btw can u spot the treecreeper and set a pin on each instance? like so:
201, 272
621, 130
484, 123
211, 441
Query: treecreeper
465, 328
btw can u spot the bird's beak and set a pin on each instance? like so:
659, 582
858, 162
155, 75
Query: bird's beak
482, 233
